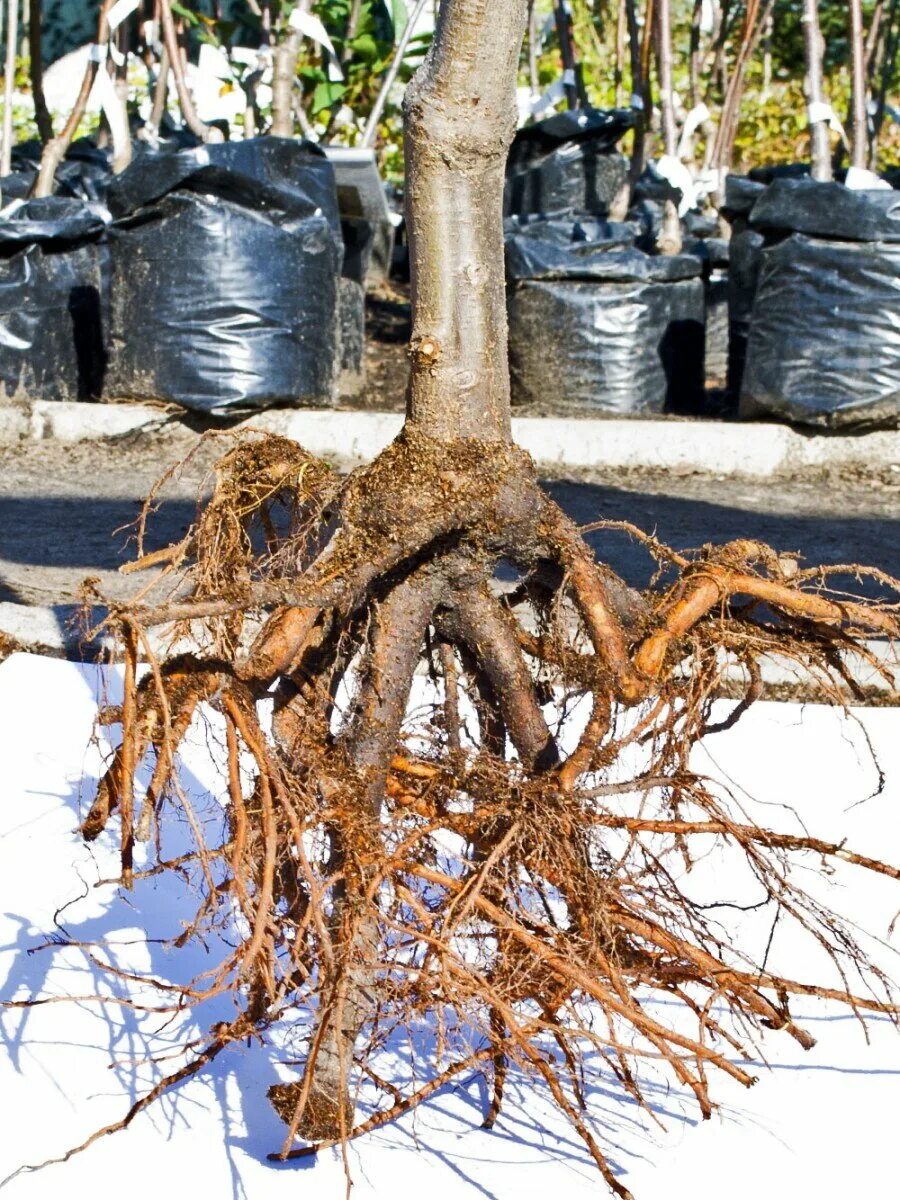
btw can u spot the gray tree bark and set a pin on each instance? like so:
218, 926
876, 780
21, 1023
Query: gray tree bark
284, 78
460, 119
12, 38
820, 143
859, 132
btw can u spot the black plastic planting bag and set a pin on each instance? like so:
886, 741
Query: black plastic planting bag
84, 174
52, 298
745, 248
824, 345
567, 162
225, 265
602, 325
564, 246
714, 254
359, 241
828, 210
717, 326
743, 274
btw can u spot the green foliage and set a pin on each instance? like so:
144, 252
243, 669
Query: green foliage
773, 114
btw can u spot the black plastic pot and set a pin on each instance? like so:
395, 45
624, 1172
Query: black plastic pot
53, 288
824, 343
225, 267
596, 324
567, 163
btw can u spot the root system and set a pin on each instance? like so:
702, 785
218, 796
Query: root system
519, 894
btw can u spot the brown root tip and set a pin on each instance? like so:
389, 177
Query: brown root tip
98, 816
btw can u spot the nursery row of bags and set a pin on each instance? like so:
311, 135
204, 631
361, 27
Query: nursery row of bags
814, 302
800, 309
214, 277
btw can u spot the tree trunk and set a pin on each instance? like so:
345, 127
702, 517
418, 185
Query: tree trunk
621, 31
766, 90
124, 150
206, 133
820, 143
890, 39
756, 17
9, 84
284, 79
36, 54
670, 240
572, 84
859, 133
55, 149
350, 32
694, 54
460, 119
460, 115
160, 95
664, 64
873, 39
639, 91
371, 130
646, 67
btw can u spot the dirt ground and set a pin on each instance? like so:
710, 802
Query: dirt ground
65, 512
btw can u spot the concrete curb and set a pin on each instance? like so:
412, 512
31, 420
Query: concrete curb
52, 630
559, 445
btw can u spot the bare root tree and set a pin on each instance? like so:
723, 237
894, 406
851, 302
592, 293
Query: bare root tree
476, 876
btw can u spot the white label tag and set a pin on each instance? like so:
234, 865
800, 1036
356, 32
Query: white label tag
710, 180
819, 111
674, 170
692, 122
114, 110
120, 12
860, 180
311, 26
554, 93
